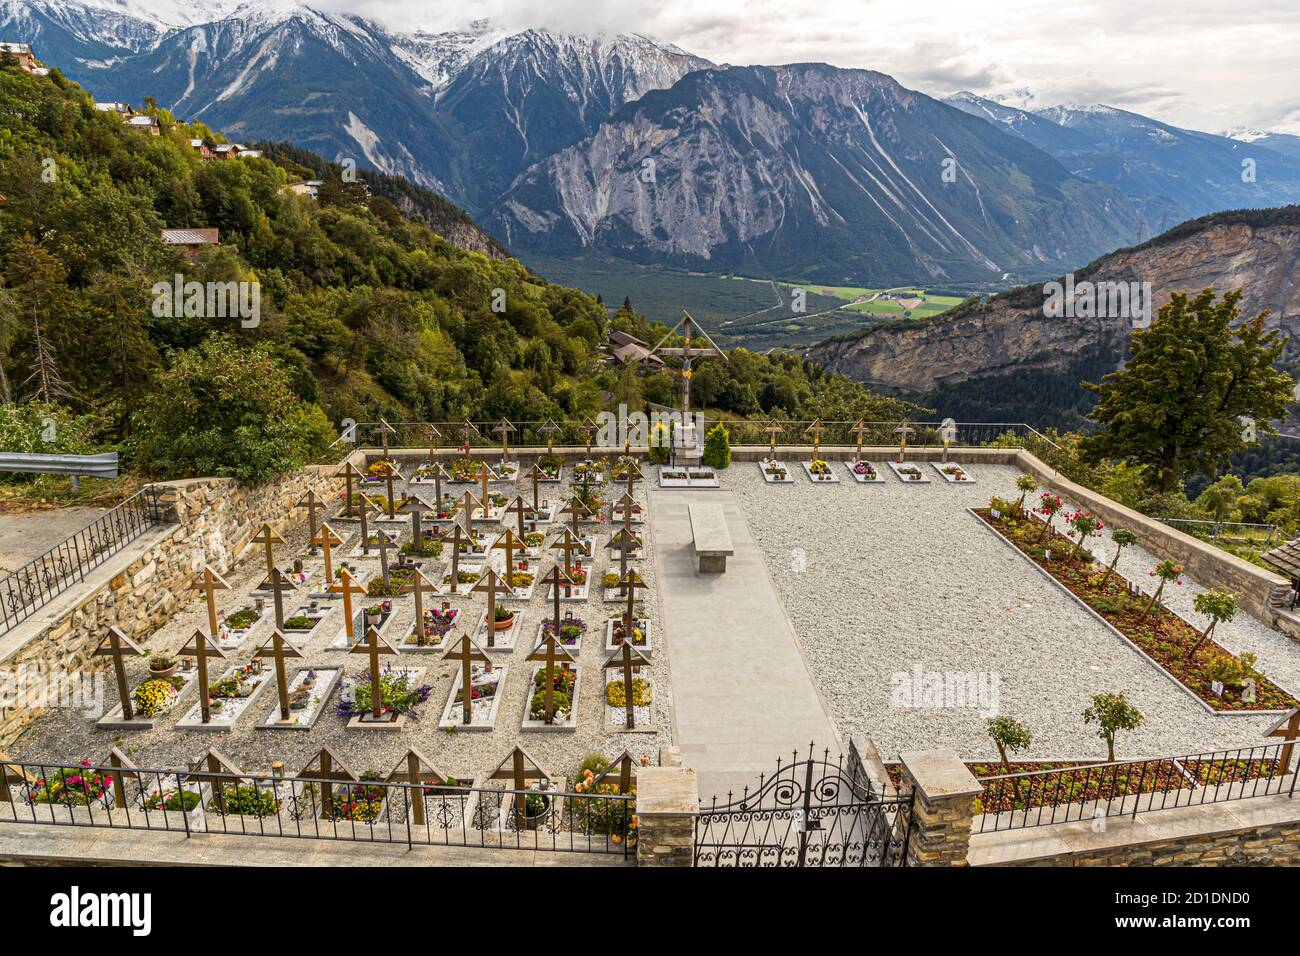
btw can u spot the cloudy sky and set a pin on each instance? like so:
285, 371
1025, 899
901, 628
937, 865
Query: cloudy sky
1204, 64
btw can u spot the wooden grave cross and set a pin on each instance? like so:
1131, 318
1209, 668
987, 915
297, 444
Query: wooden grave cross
199, 648
391, 474
267, 537
278, 648
552, 652
629, 503
417, 507
350, 474
366, 503
433, 435
504, 428
492, 584
509, 543
467, 505
631, 582
439, 473
347, 585
383, 430
419, 586
313, 503
119, 762
629, 660
467, 431
520, 509
458, 538
556, 578
484, 473
218, 767
522, 768
624, 542
549, 428
816, 429
331, 770
374, 647
625, 764
210, 583
415, 769
326, 540
280, 586
385, 542
902, 431
773, 429
633, 473
118, 646
469, 654
576, 509
536, 474
568, 543
589, 428
859, 430
1288, 728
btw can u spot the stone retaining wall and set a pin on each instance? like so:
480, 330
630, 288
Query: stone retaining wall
139, 589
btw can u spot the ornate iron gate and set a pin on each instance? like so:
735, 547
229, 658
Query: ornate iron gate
810, 812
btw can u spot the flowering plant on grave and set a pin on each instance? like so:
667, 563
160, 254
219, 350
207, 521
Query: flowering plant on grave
611, 580
462, 577
396, 695
465, 469
184, 800
616, 696
155, 696
578, 576
955, 472
819, 467
861, 467
77, 786
242, 619
571, 630
520, 579
362, 802
595, 815
437, 624
381, 469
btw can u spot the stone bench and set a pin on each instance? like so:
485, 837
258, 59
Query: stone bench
710, 537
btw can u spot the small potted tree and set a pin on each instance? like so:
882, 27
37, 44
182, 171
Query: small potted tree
1112, 713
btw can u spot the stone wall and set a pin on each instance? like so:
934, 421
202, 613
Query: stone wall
210, 522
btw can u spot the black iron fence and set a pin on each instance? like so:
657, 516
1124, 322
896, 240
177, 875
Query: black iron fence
436, 812
1072, 793
43, 578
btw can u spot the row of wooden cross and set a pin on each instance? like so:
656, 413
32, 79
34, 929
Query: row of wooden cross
817, 429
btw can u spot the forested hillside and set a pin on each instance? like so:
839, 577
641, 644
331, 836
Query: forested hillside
364, 312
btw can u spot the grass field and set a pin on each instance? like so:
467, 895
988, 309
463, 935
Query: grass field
736, 310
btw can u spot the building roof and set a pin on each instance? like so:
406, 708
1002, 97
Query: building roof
227, 147
1286, 558
190, 237
7, 47
142, 121
112, 107
628, 348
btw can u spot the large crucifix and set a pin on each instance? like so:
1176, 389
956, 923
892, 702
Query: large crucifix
773, 429
491, 584
327, 540
348, 586
521, 510
210, 583
313, 503
118, 646
688, 328
629, 660
278, 648
504, 428
199, 648
469, 654
552, 653
374, 647
419, 586
816, 429
522, 768
266, 536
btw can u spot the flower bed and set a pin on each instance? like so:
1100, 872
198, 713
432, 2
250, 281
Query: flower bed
819, 472
581, 587
71, 794
1163, 636
616, 635
571, 631
566, 683
953, 474
616, 703
237, 625
775, 472
229, 697
304, 620
552, 467
864, 472
909, 473
466, 576
486, 682
309, 689
437, 625
400, 693
610, 584
466, 470
151, 699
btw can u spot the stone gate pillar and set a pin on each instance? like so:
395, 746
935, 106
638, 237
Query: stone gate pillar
667, 803
943, 807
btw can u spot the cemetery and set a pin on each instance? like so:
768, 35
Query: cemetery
469, 638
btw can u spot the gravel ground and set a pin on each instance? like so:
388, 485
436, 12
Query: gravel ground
67, 735
880, 580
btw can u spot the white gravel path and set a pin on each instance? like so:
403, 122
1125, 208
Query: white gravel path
66, 735
882, 579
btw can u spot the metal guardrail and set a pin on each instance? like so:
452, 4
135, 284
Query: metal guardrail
422, 813
43, 578
1129, 787
74, 466
1233, 532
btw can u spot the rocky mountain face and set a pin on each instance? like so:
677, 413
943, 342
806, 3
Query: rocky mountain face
1256, 252
812, 171
1171, 174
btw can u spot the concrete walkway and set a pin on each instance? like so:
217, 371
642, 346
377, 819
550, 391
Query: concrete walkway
742, 693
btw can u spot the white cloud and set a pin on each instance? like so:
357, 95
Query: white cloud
1205, 64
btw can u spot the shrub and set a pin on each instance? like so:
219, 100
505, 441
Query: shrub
660, 444
1112, 713
717, 447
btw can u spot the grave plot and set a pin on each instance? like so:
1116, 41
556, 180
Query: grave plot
230, 696
617, 633
531, 802
629, 692
381, 697
240, 624
570, 632
589, 471
304, 620
429, 798
438, 623
550, 469
864, 472
371, 614
308, 693
328, 790
498, 627
819, 472
620, 508
775, 472
141, 707
465, 577
174, 805
952, 473
909, 473
554, 685
615, 592
477, 709
686, 476
61, 795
